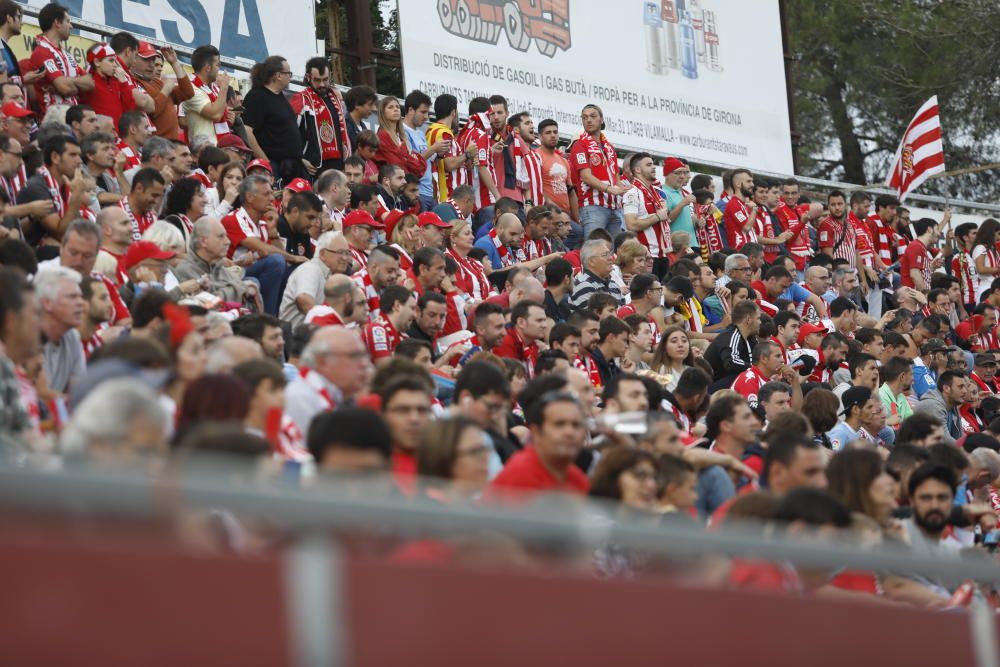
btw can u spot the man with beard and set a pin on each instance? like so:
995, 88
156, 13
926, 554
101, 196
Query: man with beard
741, 211
897, 378
836, 235
646, 212
97, 313
832, 352
932, 492
534, 192
322, 119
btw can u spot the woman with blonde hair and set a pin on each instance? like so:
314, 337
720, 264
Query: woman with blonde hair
403, 233
453, 460
393, 147
631, 258
471, 277
169, 239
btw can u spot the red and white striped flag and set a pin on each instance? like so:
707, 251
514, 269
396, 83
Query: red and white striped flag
921, 153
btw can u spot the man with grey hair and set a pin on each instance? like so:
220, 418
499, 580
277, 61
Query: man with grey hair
62, 305
251, 246
78, 251
984, 469
120, 422
305, 286
331, 187
737, 267
98, 150
596, 260
335, 367
204, 262
157, 153
230, 351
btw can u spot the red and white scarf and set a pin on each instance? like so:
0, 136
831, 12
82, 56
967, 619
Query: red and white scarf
60, 196
534, 249
13, 185
472, 281
360, 258
507, 258
221, 127
586, 363
139, 224
656, 237
316, 382
131, 157
324, 122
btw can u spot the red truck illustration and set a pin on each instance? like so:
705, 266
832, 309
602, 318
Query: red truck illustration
546, 22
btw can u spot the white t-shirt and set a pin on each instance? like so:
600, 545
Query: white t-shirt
978, 283
308, 278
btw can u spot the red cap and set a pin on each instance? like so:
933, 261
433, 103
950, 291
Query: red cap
808, 328
359, 217
391, 220
147, 50
142, 250
432, 218
297, 184
99, 52
231, 140
671, 164
14, 110
260, 164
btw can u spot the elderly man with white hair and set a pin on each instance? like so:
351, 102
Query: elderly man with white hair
597, 262
305, 286
62, 306
737, 267
335, 367
204, 262
120, 422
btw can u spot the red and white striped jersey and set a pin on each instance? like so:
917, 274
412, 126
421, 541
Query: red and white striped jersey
831, 233
533, 168
800, 245
360, 258
132, 159
364, 281
643, 201
883, 238
54, 63
444, 181
533, 249
599, 156
763, 228
964, 268
862, 239
91, 344
476, 134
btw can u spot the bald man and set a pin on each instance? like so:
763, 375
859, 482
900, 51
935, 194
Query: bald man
818, 280
503, 245
339, 293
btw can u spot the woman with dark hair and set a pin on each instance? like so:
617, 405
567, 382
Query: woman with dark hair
673, 356
985, 257
821, 407
271, 124
627, 475
453, 460
221, 198
185, 203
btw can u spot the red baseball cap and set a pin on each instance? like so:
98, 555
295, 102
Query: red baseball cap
391, 220
147, 50
359, 217
297, 184
261, 164
14, 110
671, 164
230, 140
432, 218
808, 328
142, 250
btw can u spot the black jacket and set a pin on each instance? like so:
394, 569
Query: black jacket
729, 355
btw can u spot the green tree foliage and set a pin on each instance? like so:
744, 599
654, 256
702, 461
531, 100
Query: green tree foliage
863, 68
385, 31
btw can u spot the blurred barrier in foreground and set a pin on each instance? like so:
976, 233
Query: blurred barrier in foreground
95, 577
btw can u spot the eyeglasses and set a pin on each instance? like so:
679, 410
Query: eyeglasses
740, 268
288, 72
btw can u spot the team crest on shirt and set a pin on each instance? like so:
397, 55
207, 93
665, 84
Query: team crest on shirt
908, 158
51, 66
581, 158
595, 160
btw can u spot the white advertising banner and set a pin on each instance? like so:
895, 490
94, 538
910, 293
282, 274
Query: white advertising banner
246, 29
700, 79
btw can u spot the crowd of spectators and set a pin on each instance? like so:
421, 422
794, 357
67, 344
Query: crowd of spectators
477, 313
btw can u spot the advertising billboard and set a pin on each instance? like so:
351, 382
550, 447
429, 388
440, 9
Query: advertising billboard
249, 30
702, 79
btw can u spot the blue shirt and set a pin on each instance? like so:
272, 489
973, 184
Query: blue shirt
418, 142
841, 434
683, 222
796, 293
923, 380
486, 244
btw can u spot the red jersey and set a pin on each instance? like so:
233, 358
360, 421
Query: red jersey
862, 240
131, 157
586, 363
533, 170
840, 237
381, 338
364, 281
799, 245
140, 223
738, 226
525, 473
915, 257
110, 97
239, 227
476, 134
883, 238
599, 156
54, 63
748, 384
763, 228
533, 249
513, 347
330, 137
964, 268
360, 258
